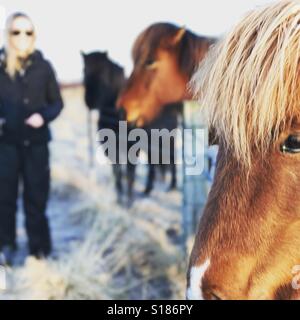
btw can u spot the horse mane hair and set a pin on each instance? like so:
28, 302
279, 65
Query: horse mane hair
249, 82
116, 78
192, 47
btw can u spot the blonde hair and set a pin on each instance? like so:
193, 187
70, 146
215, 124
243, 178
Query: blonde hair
249, 82
14, 63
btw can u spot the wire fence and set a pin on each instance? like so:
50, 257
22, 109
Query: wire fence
195, 187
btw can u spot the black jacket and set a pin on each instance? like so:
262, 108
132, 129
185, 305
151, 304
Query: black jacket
34, 90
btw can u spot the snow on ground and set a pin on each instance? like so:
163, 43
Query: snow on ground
101, 250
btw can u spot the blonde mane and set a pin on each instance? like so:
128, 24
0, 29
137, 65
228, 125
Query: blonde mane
249, 83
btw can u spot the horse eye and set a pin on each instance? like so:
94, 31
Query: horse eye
291, 144
149, 63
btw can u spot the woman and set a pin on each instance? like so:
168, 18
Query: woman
29, 100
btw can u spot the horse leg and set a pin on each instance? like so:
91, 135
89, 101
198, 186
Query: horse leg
163, 170
117, 170
150, 179
173, 184
130, 183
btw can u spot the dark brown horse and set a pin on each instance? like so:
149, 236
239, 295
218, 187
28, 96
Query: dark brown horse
103, 80
248, 240
165, 57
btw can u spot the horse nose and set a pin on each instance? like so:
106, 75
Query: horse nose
199, 292
122, 113
197, 273
214, 296
193, 293
120, 104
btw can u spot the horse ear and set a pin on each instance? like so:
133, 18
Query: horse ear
179, 35
82, 53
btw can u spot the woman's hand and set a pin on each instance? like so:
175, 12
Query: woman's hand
35, 121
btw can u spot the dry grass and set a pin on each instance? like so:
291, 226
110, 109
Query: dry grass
119, 254
116, 260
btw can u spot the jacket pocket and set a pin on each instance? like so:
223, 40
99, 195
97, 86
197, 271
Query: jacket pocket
11, 116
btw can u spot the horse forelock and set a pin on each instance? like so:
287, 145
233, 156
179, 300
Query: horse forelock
249, 83
192, 48
192, 51
150, 40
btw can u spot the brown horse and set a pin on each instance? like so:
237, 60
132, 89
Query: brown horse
248, 240
165, 57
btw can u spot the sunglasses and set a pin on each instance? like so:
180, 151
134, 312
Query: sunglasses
17, 33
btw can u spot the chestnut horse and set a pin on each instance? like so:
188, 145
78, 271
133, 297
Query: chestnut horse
165, 57
103, 80
248, 241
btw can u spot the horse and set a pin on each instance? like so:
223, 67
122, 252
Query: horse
165, 123
103, 80
165, 56
248, 240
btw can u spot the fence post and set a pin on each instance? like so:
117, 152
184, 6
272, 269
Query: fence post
195, 187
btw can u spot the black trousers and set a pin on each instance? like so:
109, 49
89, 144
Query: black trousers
31, 165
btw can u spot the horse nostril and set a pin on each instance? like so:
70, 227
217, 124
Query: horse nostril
133, 124
119, 103
214, 296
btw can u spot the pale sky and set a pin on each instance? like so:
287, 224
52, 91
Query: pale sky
64, 27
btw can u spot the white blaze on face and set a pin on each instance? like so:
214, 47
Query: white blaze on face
194, 292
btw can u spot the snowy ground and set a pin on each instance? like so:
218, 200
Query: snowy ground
101, 250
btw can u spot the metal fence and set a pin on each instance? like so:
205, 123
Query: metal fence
195, 187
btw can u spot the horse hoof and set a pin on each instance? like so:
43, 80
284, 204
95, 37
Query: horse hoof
143, 194
147, 192
172, 187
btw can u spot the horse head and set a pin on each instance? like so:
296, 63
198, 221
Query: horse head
165, 56
248, 240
